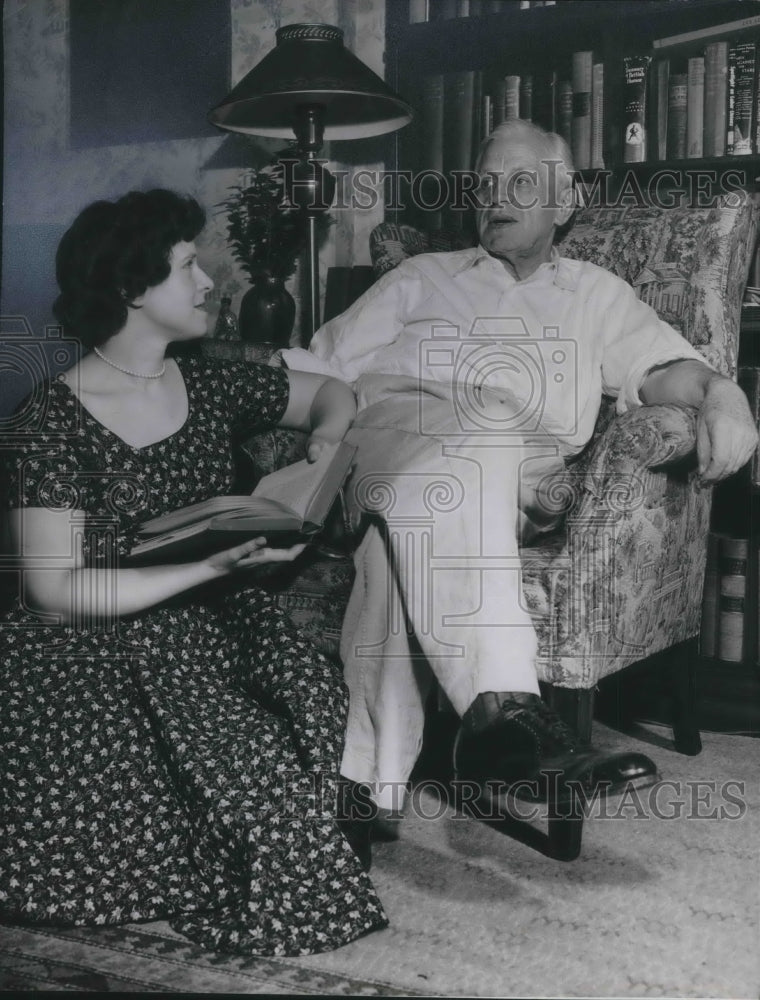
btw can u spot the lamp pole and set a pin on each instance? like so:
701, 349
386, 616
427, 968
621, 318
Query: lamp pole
310, 186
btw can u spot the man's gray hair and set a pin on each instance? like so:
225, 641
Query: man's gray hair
548, 145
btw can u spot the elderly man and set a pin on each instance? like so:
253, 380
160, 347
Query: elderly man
455, 443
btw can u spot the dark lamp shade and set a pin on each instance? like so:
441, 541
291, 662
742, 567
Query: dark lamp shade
310, 65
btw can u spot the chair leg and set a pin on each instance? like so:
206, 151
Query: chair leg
565, 832
575, 706
681, 678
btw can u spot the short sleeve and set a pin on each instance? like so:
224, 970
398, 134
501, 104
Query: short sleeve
255, 395
636, 341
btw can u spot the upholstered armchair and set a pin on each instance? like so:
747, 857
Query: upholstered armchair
622, 579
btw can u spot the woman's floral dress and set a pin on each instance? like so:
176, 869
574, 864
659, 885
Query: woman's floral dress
180, 763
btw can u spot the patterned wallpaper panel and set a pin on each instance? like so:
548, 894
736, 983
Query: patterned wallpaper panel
47, 182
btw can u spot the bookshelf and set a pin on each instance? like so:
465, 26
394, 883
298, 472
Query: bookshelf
500, 39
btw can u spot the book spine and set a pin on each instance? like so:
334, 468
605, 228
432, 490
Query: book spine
526, 98
486, 116
634, 108
695, 107
430, 149
742, 57
708, 629
565, 110
498, 100
511, 97
597, 116
677, 105
660, 77
716, 98
713, 31
477, 111
458, 97
580, 141
732, 598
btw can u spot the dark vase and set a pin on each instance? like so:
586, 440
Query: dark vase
267, 313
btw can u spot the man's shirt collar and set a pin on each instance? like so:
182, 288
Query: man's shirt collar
563, 270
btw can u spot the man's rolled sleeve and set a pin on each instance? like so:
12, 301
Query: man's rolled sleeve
637, 341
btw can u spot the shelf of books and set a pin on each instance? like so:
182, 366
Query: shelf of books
633, 87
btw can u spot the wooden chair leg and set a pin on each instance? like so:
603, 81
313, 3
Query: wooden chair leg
565, 832
575, 706
681, 678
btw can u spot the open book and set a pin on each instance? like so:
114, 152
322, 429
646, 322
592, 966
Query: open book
287, 506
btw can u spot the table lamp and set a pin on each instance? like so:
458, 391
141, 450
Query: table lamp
311, 86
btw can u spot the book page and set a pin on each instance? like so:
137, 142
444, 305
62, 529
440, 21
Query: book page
302, 485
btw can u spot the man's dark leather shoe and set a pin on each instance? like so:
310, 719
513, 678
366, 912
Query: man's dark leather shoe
522, 747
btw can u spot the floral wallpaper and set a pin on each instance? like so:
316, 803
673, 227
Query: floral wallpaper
46, 182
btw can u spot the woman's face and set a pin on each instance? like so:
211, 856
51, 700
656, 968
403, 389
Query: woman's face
176, 306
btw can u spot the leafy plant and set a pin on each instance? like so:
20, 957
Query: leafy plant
266, 233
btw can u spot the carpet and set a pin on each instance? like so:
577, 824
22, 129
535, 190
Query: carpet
663, 901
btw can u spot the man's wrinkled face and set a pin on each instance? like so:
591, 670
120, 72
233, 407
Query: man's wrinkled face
520, 200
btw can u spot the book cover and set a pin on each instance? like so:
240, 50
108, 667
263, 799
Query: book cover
732, 598
597, 116
695, 107
716, 98
511, 97
711, 31
708, 628
741, 98
580, 133
677, 111
286, 506
636, 71
565, 110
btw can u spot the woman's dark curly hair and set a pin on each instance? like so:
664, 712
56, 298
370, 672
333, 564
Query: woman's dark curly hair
113, 252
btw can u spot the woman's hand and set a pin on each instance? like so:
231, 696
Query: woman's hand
255, 552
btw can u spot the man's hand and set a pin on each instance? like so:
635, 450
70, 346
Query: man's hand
726, 434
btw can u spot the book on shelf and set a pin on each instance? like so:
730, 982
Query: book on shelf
712, 31
677, 112
636, 71
580, 133
526, 97
498, 89
287, 506
657, 103
708, 628
716, 98
695, 107
458, 129
565, 110
430, 150
742, 56
597, 116
511, 97
732, 598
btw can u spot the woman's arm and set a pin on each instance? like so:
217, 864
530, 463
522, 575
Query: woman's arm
55, 580
323, 407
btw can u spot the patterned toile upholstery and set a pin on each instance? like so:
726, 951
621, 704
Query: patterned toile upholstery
623, 579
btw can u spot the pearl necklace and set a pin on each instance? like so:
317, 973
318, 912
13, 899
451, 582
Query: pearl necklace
128, 371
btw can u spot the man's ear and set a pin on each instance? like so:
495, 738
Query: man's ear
566, 205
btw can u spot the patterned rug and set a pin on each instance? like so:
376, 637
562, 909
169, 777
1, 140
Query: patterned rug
662, 902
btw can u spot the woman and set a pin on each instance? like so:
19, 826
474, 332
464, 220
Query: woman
172, 746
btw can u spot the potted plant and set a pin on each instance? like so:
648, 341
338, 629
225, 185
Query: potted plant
266, 235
